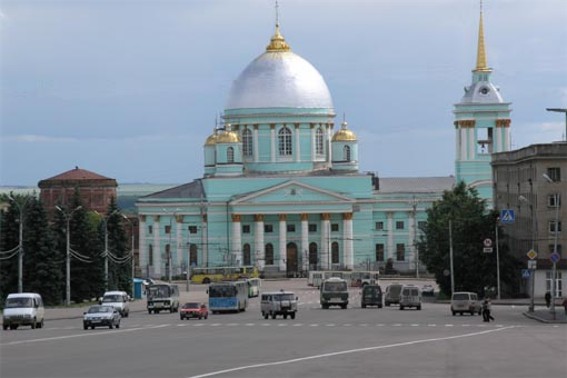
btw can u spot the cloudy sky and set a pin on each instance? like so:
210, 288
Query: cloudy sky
130, 89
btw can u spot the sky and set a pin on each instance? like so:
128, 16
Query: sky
131, 89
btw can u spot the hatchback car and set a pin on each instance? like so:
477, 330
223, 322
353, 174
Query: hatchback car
101, 316
193, 310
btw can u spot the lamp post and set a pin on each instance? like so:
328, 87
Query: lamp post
497, 261
554, 266
68, 216
21, 242
131, 253
105, 220
532, 275
560, 110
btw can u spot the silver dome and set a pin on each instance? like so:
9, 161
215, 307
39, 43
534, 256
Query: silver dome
482, 92
279, 79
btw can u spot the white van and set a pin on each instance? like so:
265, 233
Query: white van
23, 309
119, 300
465, 301
410, 296
278, 303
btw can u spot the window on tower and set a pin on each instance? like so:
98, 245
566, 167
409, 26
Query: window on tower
284, 142
247, 142
230, 155
346, 153
319, 141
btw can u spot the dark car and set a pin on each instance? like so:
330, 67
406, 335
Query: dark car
193, 310
371, 296
101, 316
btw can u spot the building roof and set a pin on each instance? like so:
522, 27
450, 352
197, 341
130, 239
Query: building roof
78, 174
192, 190
416, 184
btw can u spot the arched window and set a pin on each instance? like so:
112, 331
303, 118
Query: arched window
230, 155
284, 141
246, 255
269, 253
346, 153
319, 141
150, 255
335, 253
247, 142
193, 256
313, 260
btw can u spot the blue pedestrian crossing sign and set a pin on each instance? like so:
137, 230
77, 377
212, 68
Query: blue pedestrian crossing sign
507, 216
525, 273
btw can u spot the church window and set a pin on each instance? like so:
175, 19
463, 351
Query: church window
192, 229
319, 141
334, 227
230, 155
245, 228
150, 255
247, 142
168, 229
246, 255
379, 225
193, 257
379, 252
290, 228
346, 153
400, 252
269, 253
335, 253
284, 142
313, 261
268, 228
399, 225
312, 227
150, 229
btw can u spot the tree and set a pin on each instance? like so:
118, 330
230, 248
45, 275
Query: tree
471, 225
9, 246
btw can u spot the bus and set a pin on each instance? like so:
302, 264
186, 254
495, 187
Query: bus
222, 273
253, 287
355, 278
228, 296
162, 297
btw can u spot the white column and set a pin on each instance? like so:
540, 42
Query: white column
178, 240
259, 241
283, 243
348, 241
273, 139
305, 241
391, 251
204, 245
325, 241
157, 247
471, 155
236, 242
313, 142
143, 244
255, 145
411, 238
329, 139
297, 149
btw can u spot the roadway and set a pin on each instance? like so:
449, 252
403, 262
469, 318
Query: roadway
367, 342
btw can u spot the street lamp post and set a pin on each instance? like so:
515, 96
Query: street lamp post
534, 237
68, 216
497, 262
21, 243
560, 110
131, 253
106, 252
554, 266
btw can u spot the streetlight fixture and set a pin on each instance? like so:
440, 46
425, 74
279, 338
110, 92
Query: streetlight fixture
105, 220
68, 215
553, 260
534, 237
560, 110
21, 242
131, 252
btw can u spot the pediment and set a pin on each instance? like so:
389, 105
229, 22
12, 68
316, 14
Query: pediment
291, 192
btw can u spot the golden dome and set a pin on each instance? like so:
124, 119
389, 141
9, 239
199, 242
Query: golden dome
344, 134
212, 139
277, 42
228, 136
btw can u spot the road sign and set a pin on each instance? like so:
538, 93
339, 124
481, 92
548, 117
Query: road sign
507, 216
532, 254
555, 257
487, 250
487, 242
525, 273
532, 264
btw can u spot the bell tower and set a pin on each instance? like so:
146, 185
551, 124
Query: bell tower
482, 125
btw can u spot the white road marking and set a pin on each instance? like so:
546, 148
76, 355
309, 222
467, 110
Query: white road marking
348, 351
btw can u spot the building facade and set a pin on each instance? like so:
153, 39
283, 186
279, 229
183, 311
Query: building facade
531, 182
282, 189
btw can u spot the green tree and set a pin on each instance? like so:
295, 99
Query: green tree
9, 245
471, 225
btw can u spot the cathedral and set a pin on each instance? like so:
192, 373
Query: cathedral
282, 190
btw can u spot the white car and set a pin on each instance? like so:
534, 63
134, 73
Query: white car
101, 316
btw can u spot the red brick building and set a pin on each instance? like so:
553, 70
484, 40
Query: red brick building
95, 190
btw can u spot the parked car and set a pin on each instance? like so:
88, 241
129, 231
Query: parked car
193, 310
410, 296
119, 299
23, 309
101, 316
371, 296
465, 301
392, 294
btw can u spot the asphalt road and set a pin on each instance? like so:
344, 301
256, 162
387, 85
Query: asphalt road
354, 342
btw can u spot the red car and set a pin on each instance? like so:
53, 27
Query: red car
193, 310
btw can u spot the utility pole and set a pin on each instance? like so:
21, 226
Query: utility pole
21, 242
68, 216
451, 256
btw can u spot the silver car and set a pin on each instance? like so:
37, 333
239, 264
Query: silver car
101, 316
